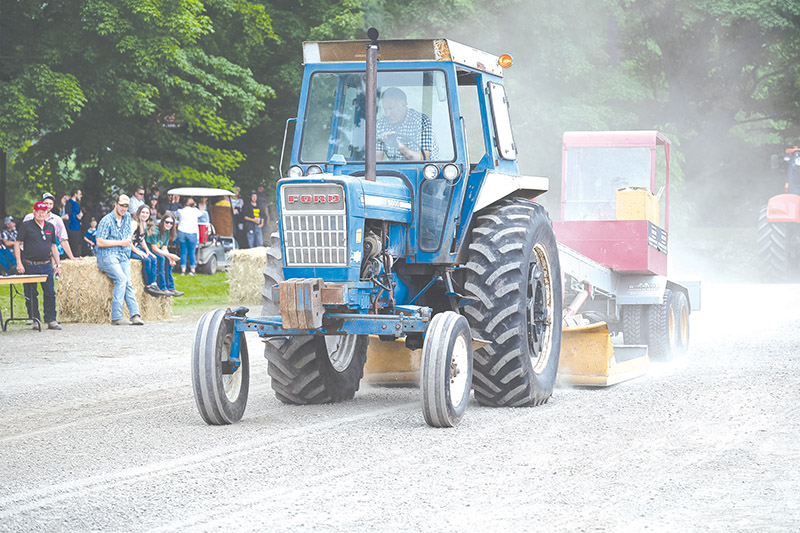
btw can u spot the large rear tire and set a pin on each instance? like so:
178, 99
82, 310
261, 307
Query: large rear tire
220, 390
306, 369
514, 274
774, 248
446, 370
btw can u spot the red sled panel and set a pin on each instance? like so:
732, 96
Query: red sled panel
636, 246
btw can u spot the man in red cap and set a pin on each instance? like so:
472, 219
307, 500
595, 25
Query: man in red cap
40, 256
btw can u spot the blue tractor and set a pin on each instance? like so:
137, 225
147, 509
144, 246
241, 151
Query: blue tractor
402, 215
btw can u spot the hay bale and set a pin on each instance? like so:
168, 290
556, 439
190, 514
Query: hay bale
246, 275
84, 294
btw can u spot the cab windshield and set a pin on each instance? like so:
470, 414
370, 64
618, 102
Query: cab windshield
414, 121
593, 176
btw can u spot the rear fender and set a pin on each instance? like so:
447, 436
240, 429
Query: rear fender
784, 208
496, 187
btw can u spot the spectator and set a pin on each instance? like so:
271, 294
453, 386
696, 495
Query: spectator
253, 221
174, 203
203, 207
72, 214
159, 241
137, 200
61, 231
237, 203
39, 256
7, 239
262, 196
188, 232
142, 225
90, 237
114, 258
62, 207
155, 213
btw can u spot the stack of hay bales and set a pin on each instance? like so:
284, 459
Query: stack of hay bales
84, 294
246, 276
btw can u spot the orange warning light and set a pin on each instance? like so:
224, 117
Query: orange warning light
505, 60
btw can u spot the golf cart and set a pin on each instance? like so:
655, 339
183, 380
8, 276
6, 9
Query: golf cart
216, 239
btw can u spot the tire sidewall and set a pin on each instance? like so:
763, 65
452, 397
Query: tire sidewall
542, 233
459, 329
233, 409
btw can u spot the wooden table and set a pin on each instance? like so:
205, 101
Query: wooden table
11, 281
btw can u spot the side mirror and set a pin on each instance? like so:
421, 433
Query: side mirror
774, 161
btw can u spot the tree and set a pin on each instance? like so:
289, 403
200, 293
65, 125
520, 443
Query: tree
135, 91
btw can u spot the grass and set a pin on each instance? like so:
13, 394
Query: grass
202, 294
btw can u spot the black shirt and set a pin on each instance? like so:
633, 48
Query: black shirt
252, 211
37, 241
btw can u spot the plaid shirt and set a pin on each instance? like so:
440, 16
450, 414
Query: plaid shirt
415, 131
109, 229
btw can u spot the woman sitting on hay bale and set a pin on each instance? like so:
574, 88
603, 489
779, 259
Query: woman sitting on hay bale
142, 225
158, 239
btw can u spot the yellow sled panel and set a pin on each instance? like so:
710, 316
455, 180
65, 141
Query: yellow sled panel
391, 363
588, 358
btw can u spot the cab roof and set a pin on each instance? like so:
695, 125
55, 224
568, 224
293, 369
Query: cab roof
402, 50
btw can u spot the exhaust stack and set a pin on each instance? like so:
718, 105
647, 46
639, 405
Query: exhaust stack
370, 153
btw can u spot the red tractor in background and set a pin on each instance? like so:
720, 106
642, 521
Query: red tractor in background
779, 226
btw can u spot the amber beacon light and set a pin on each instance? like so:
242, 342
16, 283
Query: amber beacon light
505, 60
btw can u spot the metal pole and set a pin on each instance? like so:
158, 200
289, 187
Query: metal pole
3, 183
370, 152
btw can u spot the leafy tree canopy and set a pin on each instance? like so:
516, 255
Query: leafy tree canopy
135, 90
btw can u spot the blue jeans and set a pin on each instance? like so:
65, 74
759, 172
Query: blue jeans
48, 292
119, 270
150, 264
165, 281
188, 244
255, 237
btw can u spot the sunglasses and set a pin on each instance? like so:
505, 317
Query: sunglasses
168, 222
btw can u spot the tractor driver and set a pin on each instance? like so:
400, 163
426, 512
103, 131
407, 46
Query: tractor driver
403, 133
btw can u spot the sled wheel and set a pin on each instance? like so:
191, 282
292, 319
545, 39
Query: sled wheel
220, 388
662, 326
446, 369
514, 275
633, 321
681, 306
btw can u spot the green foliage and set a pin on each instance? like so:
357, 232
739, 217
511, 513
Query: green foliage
97, 81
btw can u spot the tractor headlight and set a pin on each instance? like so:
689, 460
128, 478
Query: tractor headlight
295, 172
314, 169
430, 172
450, 172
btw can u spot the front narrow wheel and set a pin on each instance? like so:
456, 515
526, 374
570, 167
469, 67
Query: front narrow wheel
220, 386
446, 370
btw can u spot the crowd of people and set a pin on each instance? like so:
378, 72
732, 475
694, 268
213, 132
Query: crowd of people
141, 227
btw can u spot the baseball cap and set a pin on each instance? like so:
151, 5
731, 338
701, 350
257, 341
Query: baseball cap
39, 205
47, 195
8, 219
123, 199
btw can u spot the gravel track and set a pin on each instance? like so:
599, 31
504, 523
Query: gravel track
99, 431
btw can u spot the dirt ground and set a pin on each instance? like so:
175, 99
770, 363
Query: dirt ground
99, 431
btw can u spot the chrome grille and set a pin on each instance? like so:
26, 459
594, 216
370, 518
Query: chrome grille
315, 239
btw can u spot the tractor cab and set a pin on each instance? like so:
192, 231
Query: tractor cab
792, 157
442, 131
